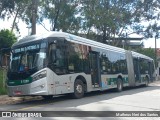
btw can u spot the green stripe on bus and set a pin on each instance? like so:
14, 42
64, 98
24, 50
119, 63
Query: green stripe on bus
19, 82
113, 81
125, 80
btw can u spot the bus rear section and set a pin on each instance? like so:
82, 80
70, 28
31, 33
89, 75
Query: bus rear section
140, 69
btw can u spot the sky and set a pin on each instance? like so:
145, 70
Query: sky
24, 31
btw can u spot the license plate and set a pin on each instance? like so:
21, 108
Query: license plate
17, 92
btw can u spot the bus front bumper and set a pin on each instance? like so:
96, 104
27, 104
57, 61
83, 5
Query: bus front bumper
38, 87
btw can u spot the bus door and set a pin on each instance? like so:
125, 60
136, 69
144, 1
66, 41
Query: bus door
95, 69
137, 70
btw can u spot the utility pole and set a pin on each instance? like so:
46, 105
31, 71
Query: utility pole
156, 51
34, 15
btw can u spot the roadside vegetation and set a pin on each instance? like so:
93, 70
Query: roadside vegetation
2, 86
7, 39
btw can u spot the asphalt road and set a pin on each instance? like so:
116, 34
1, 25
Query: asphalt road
130, 99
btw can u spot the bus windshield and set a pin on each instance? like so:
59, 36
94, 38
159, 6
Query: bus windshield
28, 57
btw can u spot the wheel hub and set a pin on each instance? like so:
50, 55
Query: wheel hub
79, 88
120, 86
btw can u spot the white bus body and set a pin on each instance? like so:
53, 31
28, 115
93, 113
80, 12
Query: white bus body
59, 63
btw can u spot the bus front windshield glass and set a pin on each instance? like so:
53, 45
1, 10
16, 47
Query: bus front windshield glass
28, 58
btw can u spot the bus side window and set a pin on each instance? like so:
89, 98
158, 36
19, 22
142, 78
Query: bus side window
56, 56
59, 60
52, 53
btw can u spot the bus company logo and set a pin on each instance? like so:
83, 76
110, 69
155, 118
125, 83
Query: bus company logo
6, 114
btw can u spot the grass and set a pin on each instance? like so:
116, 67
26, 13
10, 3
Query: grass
3, 90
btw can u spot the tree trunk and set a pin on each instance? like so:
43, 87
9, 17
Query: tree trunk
34, 15
55, 20
57, 15
14, 21
104, 36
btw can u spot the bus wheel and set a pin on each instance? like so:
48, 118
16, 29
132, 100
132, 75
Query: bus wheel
119, 85
47, 96
78, 89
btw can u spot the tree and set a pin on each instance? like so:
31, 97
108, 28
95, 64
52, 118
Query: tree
103, 18
110, 18
146, 11
7, 38
34, 15
61, 14
18, 9
6, 7
22, 11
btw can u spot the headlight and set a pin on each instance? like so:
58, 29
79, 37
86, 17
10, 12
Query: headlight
39, 75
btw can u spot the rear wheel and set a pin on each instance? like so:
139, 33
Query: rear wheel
119, 85
78, 89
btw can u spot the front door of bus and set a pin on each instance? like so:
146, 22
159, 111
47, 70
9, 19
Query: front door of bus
95, 69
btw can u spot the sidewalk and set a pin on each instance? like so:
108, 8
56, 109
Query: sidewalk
4, 99
156, 82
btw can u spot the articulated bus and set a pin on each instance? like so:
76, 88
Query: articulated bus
60, 63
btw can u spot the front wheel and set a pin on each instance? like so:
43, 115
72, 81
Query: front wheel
78, 89
119, 85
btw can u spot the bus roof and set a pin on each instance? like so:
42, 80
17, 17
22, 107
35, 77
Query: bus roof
68, 37
76, 39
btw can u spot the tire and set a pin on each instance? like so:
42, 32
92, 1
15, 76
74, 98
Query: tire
78, 89
119, 85
47, 97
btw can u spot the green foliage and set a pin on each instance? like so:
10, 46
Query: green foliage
19, 9
61, 14
150, 52
107, 16
6, 6
23, 11
7, 38
117, 17
104, 18
2, 89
